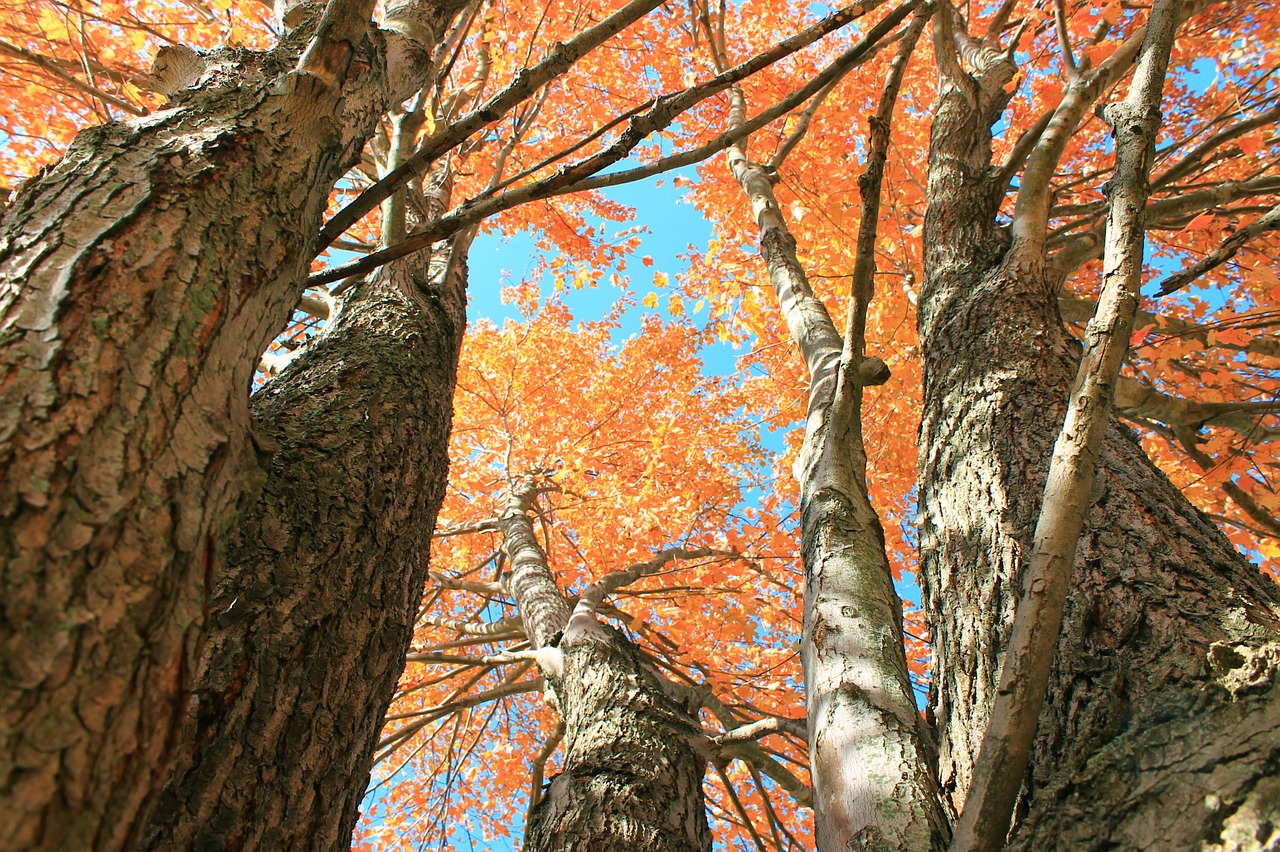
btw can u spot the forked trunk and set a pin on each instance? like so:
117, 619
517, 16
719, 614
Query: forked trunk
1155, 583
140, 279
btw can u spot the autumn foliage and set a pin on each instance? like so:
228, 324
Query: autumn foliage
637, 443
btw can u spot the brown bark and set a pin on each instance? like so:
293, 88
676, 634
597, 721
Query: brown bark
311, 619
1006, 743
1156, 584
1170, 779
140, 278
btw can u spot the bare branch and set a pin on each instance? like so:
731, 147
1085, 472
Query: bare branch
752, 754
525, 84
504, 625
595, 594
1064, 40
51, 67
575, 177
1269, 221
423, 718
762, 728
802, 125
538, 767
1138, 400
479, 587
486, 526
1031, 210
997, 24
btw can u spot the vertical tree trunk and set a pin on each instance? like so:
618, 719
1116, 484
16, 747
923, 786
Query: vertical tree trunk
634, 754
140, 279
1155, 583
869, 750
1029, 655
634, 757
311, 619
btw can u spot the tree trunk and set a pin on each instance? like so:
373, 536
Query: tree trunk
634, 757
1155, 583
869, 750
312, 617
634, 754
140, 279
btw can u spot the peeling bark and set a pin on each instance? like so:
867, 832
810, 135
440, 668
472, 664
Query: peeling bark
140, 278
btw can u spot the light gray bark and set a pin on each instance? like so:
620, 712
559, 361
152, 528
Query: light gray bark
868, 747
635, 754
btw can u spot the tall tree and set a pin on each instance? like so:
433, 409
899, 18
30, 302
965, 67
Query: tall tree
869, 750
998, 364
597, 574
127, 454
235, 685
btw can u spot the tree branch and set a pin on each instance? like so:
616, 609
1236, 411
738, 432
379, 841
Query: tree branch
1076, 310
538, 767
1268, 525
50, 67
762, 728
574, 178
1194, 157
526, 82
1135, 399
1269, 221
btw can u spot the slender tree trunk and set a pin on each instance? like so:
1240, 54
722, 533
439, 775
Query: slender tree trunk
140, 279
1155, 584
868, 747
869, 750
311, 619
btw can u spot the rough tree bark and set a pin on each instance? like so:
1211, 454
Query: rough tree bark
310, 621
140, 279
1028, 658
1156, 585
635, 753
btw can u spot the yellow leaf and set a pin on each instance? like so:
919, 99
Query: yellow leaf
650, 301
